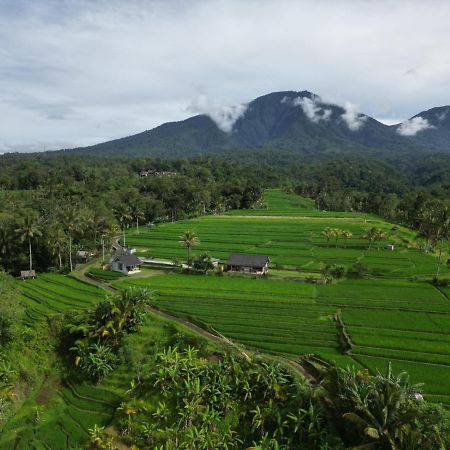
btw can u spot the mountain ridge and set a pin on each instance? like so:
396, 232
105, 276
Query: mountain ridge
289, 120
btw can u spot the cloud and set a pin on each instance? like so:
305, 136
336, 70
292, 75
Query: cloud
353, 119
413, 126
442, 115
312, 107
224, 116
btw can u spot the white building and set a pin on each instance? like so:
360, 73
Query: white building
126, 263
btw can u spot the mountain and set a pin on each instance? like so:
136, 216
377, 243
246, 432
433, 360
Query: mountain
295, 121
433, 128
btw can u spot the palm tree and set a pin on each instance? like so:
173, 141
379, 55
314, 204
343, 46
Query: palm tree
57, 240
336, 233
71, 221
28, 230
374, 234
328, 234
346, 234
442, 234
137, 214
189, 239
6, 239
97, 224
123, 216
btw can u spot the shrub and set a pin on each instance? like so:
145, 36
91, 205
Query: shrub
358, 270
97, 361
202, 262
6, 334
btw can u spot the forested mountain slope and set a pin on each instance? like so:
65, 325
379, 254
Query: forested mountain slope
295, 121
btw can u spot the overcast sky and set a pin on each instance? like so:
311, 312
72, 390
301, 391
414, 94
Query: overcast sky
76, 72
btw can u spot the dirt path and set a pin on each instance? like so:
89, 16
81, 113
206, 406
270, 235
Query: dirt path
217, 338
348, 219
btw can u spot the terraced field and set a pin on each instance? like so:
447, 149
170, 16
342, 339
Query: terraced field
280, 317
400, 321
279, 203
292, 243
51, 294
59, 414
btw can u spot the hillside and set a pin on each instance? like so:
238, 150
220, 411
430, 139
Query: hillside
295, 121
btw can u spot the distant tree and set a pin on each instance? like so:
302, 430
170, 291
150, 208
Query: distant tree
123, 216
336, 233
57, 240
441, 233
97, 225
374, 234
346, 234
27, 231
328, 233
203, 262
137, 214
6, 242
72, 224
188, 239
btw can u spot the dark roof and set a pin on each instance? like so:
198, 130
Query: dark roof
241, 259
127, 259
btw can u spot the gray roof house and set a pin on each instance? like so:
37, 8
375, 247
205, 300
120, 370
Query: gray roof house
125, 262
241, 262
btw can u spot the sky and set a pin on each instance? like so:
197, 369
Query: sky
79, 72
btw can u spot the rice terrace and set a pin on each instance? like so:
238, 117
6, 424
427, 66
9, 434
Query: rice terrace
389, 315
383, 311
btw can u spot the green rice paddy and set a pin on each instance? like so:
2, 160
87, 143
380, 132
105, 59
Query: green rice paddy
293, 243
55, 294
391, 317
401, 321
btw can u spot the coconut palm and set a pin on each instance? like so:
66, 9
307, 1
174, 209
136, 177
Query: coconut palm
71, 222
123, 216
27, 231
346, 234
189, 239
6, 239
336, 233
442, 233
137, 214
97, 225
57, 240
374, 234
328, 233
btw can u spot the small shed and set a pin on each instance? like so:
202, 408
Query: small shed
126, 263
84, 255
390, 247
24, 274
241, 262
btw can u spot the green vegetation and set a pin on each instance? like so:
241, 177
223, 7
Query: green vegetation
52, 294
69, 353
294, 243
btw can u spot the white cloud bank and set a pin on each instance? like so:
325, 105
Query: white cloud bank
312, 108
316, 111
413, 126
353, 119
224, 116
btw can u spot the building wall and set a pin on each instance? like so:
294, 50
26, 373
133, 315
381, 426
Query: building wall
247, 269
119, 267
